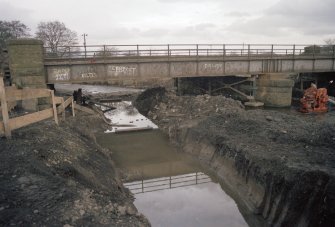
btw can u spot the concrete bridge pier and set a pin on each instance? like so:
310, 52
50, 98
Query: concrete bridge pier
274, 89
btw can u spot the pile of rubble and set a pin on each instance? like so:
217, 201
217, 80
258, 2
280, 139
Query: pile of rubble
165, 107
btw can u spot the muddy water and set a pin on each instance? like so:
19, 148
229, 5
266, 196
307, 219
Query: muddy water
170, 188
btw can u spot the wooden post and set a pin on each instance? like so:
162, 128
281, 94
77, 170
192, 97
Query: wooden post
209, 87
63, 114
4, 109
72, 105
54, 106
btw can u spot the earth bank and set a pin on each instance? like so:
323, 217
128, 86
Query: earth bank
281, 165
58, 176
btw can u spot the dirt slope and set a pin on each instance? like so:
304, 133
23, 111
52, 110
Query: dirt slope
58, 176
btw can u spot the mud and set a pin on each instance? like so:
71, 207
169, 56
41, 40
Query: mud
281, 166
58, 176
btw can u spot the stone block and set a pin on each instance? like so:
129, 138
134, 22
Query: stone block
26, 62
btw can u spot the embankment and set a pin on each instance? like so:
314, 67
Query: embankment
281, 166
58, 176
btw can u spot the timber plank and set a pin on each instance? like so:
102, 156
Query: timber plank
72, 106
2, 129
68, 102
63, 108
59, 100
64, 105
4, 109
54, 106
28, 119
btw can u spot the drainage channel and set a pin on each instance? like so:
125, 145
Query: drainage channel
170, 188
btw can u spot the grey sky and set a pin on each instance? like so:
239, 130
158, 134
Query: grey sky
182, 21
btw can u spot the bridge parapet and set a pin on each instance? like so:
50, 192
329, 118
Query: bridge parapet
198, 50
135, 63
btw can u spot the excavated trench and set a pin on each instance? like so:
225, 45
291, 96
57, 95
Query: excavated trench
280, 166
282, 197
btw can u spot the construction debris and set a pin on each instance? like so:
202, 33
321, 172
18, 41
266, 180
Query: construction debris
314, 100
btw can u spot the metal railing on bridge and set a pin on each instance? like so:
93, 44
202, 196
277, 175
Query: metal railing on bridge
164, 183
198, 50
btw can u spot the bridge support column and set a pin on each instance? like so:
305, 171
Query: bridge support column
26, 65
274, 90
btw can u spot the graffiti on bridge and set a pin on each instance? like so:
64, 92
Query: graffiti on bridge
61, 74
89, 73
212, 67
122, 70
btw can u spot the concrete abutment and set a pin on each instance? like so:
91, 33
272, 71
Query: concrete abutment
26, 63
274, 90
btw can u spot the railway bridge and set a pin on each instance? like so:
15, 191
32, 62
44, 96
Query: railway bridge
267, 68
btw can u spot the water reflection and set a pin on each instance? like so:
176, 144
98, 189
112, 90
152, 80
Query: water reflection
163, 183
170, 188
191, 203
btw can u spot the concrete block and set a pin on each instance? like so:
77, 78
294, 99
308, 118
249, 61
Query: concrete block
254, 104
26, 62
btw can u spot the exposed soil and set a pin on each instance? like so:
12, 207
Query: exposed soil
281, 165
58, 176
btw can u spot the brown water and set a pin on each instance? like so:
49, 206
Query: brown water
170, 188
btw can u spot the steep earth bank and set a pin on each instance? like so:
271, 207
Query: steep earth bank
281, 165
58, 176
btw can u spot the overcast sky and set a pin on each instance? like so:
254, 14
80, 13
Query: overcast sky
182, 21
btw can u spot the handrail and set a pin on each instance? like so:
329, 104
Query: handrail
160, 50
164, 183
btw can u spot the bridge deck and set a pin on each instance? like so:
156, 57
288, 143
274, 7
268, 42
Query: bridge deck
138, 62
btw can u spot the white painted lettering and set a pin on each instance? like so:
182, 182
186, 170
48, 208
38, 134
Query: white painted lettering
61, 74
123, 70
215, 67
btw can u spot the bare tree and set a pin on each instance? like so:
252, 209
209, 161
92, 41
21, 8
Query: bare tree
329, 48
330, 41
12, 30
56, 36
107, 52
